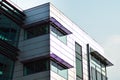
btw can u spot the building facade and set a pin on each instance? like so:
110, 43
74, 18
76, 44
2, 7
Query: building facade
41, 43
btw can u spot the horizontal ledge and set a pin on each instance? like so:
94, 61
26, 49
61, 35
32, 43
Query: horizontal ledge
101, 58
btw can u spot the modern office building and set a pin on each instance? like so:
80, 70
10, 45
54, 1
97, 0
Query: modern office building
41, 43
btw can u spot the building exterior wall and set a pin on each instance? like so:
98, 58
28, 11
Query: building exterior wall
59, 55
67, 51
37, 14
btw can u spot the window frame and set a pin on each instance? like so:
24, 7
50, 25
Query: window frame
79, 57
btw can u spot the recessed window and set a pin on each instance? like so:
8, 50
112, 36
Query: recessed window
61, 35
36, 66
98, 69
9, 30
35, 31
60, 70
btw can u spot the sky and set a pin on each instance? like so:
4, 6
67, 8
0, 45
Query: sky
99, 18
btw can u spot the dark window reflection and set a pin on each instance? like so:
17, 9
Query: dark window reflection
6, 68
36, 31
9, 31
36, 66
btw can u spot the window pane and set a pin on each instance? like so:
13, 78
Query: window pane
58, 34
78, 56
79, 68
6, 68
104, 77
78, 49
36, 31
60, 70
53, 30
36, 66
78, 78
54, 66
93, 72
98, 76
9, 30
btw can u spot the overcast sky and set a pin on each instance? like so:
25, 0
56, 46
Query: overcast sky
99, 18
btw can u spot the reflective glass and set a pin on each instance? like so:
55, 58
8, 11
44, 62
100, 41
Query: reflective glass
9, 30
36, 31
99, 75
54, 66
78, 49
58, 34
104, 77
79, 68
36, 66
79, 65
93, 72
60, 70
6, 68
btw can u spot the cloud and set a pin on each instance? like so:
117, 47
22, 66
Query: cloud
112, 51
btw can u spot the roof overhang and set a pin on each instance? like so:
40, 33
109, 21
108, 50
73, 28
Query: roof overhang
101, 58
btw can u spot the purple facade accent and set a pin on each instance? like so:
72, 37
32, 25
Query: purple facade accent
61, 61
53, 20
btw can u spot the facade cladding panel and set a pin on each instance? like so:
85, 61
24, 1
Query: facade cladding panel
52, 47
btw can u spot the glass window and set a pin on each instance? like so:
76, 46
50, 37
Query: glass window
99, 75
9, 30
98, 69
79, 68
54, 66
104, 77
98, 65
58, 34
78, 48
36, 66
93, 72
6, 68
36, 31
79, 65
60, 70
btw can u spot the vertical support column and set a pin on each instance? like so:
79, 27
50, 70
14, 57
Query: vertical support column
88, 60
